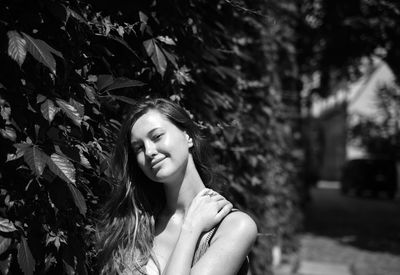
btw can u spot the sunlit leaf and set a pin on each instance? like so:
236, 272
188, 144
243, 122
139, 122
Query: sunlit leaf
36, 159
25, 258
172, 58
22, 146
143, 17
79, 200
16, 47
41, 51
62, 167
6, 225
83, 160
8, 133
77, 16
156, 55
4, 244
40, 98
49, 110
78, 106
70, 111
166, 40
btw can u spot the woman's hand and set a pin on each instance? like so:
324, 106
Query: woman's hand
207, 209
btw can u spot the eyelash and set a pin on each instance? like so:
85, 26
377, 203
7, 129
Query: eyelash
138, 149
154, 138
157, 137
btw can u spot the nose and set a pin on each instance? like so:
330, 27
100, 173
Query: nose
150, 149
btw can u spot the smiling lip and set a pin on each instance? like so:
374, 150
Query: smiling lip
155, 162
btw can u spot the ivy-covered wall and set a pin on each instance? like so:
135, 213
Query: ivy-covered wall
70, 69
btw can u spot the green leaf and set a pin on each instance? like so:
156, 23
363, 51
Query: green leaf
62, 167
70, 111
167, 40
41, 51
123, 43
171, 57
103, 81
143, 17
49, 110
4, 244
68, 268
22, 146
79, 200
90, 94
123, 82
5, 265
8, 133
156, 55
6, 226
42, 45
77, 16
16, 47
78, 106
36, 159
25, 258
124, 99
40, 98
59, 11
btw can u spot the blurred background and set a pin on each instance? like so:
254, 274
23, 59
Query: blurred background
299, 99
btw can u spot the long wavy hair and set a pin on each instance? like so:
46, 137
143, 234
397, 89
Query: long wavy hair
127, 227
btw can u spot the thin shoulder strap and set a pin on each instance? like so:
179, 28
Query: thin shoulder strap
245, 265
211, 233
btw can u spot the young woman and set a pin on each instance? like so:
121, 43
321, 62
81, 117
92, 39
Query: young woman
163, 217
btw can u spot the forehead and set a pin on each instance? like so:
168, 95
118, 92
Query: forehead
148, 122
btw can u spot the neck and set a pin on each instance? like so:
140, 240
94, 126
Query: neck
179, 194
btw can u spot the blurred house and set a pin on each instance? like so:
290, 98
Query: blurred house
331, 118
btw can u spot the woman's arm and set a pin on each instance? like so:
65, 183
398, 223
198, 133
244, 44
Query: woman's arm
204, 213
229, 247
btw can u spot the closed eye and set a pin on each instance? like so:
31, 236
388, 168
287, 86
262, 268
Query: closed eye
157, 136
137, 148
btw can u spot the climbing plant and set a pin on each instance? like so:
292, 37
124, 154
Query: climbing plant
70, 70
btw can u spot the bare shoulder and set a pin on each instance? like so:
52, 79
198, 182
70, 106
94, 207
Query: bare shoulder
237, 225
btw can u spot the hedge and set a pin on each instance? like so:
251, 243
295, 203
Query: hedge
70, 70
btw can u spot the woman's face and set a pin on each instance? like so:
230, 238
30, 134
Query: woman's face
161, 148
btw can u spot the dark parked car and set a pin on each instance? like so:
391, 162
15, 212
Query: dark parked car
374, 175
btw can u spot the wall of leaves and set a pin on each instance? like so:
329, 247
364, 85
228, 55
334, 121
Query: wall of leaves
70, 69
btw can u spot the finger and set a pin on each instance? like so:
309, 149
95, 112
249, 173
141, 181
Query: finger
221, 204
210, 192
218, 197
224, 211
203, 192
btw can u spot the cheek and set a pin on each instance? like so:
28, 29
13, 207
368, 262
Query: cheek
140, 159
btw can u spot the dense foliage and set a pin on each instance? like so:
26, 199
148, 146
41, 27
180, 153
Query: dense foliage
70, 69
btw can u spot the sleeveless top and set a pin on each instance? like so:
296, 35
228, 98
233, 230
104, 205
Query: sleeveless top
204, 244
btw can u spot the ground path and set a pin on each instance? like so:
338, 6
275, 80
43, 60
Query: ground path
359, 234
